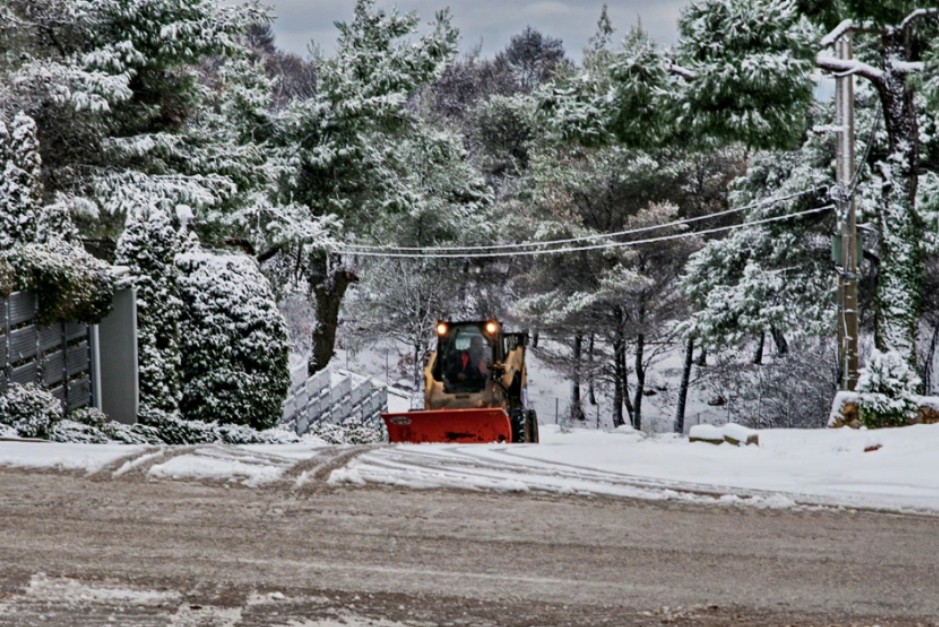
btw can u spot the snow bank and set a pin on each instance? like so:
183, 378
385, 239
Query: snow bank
887, 469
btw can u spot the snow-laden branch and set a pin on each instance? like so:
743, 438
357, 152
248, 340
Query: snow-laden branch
907, 67
846, 67
684, 72
837, 32
916, 15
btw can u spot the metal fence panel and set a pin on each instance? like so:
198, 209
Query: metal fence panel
54, 356
22, 308
23, 343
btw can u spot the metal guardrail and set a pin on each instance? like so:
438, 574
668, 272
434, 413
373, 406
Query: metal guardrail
318, 400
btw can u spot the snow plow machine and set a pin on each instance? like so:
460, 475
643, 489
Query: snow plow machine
475, 389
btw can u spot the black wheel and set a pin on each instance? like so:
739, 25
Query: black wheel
519, 425
531, 426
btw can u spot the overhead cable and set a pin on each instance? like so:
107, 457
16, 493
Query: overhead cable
431, 254
352, 247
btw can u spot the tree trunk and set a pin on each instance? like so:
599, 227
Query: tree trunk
897, 300
577, 412
702, 359
779, 338
640, 381
619, 377
929, 367
758, 353
685, 383
329, 281
591, 388
534, 339
417, 367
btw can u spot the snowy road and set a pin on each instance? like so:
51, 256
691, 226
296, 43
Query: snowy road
127, 545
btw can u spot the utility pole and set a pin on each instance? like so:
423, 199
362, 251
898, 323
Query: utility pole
847, 218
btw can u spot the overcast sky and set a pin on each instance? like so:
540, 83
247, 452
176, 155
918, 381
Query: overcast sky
489, 23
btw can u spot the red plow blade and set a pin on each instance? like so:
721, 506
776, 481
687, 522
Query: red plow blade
465, 426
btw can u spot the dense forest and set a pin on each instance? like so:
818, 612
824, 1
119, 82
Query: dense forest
641, 202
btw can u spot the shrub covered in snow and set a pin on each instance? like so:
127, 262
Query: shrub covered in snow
352, 432
148, 247
7, 278
70, 283
887, 387
234, 340
30, 410
72, 431
171, 429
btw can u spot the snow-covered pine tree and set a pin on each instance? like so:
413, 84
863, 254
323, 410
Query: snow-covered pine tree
887, 386
346, 138
742, 72
771, 278
113, 86
20, 183
148, 247
234, 340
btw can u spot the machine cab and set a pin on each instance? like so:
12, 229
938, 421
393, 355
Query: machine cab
466, 352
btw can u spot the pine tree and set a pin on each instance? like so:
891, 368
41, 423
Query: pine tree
346, 140
20, 185
113, 87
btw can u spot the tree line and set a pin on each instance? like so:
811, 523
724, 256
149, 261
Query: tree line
710, 157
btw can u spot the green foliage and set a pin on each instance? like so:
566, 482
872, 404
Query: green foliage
504, 127
89, 416
887, 388
20, 182
751, 62
30, 410
69, 430
69, 283
643, 93
170, 429
346, 135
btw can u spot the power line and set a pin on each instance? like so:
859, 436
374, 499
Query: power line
352, 247
553, 251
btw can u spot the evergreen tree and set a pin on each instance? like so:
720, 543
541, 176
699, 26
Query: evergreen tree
346, 138
148, 246
20, 185
113, 88
742, 73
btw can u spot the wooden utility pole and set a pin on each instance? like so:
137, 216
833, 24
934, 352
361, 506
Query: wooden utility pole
847, 272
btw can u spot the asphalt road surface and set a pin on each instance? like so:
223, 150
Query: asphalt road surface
100, 549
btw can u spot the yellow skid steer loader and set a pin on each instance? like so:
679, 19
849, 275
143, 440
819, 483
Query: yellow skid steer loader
475, 389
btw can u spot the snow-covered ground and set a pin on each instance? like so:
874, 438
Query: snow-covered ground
895, 469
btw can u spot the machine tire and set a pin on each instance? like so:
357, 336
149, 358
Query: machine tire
531, 426
517, 419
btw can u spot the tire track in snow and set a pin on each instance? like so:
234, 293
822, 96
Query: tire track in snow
460, 467
315, 472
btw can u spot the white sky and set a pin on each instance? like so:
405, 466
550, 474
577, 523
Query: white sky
489, 23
